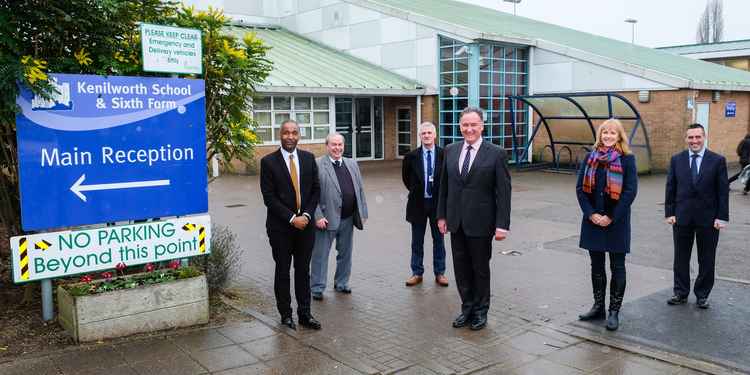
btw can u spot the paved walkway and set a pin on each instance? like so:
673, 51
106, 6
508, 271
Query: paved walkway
385, 327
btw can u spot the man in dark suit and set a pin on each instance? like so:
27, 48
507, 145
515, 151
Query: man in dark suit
697, 207
474, 206
290, 188
421, 175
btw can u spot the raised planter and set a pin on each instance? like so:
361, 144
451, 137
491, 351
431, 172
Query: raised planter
147, 308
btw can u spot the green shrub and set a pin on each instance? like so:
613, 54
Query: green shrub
221, 265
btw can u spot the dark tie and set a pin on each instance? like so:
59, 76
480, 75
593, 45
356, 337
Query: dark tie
694, 167
467, 160
337, 163
429, 173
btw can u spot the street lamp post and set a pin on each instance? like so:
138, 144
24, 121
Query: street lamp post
515, 2
632, 22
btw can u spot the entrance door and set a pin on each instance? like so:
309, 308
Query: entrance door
701, 116
354, 120
363, 130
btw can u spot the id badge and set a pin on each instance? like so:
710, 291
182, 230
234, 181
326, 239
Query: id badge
431, 179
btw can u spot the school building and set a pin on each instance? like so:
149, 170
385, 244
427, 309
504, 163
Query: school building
373, 69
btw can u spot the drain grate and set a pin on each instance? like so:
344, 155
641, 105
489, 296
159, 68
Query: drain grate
234, 205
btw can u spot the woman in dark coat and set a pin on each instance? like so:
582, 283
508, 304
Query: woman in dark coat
607, 185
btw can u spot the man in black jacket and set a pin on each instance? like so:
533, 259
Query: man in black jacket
474, 206
697, 206
290, 188
421, 176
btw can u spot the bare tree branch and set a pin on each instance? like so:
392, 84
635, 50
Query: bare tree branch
717, 21
702, 34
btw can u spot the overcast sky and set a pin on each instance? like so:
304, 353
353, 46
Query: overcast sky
660, 22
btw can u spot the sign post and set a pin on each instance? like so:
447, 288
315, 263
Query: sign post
107, 149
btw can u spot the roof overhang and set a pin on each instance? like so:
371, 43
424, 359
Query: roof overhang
339, 91
469, 34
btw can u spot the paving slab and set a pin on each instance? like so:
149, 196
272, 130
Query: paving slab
718, 334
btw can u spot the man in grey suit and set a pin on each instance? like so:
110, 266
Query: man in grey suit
474, 205
342, 207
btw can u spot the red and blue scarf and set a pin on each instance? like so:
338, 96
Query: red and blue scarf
609, 158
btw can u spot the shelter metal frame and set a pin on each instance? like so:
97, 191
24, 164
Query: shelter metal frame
520, 152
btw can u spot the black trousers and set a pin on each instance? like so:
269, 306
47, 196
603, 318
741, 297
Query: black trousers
707, 238
471, 265
292, 247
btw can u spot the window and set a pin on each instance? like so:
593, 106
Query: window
312, 113
502, 72
403, 131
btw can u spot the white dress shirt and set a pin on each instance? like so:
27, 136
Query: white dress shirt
472, 156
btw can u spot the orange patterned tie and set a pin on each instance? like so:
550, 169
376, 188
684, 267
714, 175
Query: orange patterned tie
295, 183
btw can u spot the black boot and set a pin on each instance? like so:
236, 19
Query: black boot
599, 286
616, 294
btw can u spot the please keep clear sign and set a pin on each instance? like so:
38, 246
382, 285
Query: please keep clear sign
107, 149
54, 254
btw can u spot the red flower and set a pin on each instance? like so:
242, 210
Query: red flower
120, 266
175, 264
149, 267
107, 275
86, 279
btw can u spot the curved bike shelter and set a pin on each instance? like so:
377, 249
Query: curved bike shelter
570, 121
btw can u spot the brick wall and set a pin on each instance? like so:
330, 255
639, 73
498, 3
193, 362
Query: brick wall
725, 132
666, 117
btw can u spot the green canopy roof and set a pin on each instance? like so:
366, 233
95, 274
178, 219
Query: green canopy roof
301, 65
475, 23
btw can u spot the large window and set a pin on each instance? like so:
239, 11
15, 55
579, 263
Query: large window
312, 115
483, 75
502, 73
454, 87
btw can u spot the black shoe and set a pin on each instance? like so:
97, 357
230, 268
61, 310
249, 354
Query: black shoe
478, 323
461, 321
703, 303
677, 300
289, 322
309, 322
343, 290
613, 321
317, 296
596, 313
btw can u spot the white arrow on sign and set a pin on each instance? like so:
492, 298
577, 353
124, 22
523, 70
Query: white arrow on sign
77, 187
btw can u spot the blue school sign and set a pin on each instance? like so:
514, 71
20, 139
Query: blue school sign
107, 149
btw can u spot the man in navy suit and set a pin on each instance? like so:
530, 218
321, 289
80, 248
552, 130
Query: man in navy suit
697, 207
474, 206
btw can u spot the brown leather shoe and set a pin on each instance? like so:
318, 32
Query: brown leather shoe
441, 280
414, 280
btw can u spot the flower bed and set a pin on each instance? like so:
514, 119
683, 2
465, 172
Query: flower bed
144, 302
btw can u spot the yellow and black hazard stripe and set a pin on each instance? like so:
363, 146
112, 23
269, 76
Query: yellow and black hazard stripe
201, 235
23, 245
202, 239
42, 245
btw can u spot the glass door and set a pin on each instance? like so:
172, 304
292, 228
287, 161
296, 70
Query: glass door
344, 122
363, 130
355, 120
